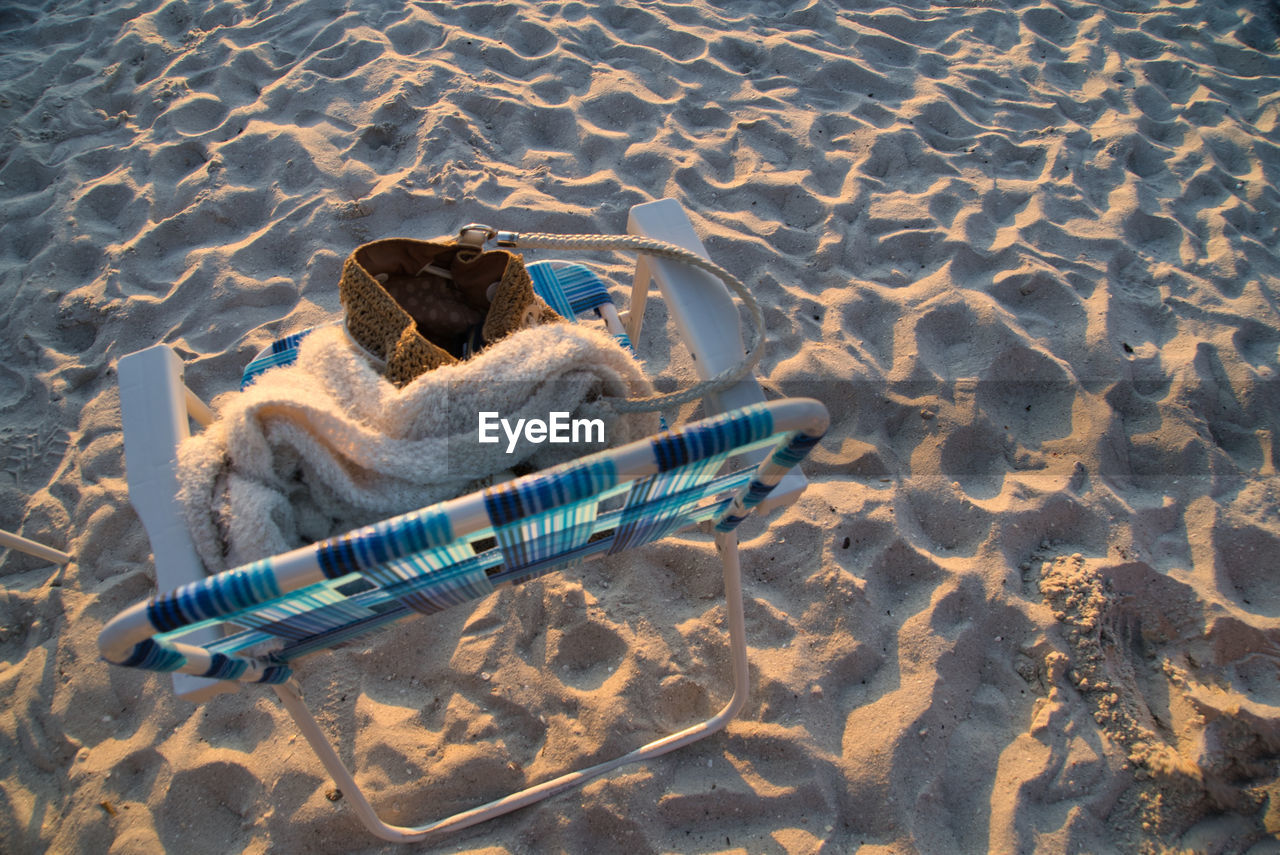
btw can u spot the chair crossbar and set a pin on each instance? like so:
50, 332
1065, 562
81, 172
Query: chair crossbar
432, 581
320, 615
436, 579
547, 535
305, 613
669, 501
425, 561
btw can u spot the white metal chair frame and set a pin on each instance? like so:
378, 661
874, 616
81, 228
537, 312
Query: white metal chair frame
156, 407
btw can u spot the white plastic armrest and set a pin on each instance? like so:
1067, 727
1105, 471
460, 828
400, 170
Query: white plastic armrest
154, 410
705, 316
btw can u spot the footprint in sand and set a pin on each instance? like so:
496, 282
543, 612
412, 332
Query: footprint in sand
1138, 660
196, 114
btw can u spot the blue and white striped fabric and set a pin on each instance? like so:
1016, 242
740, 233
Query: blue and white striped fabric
282, 351
767, 476
421, 563
570, 289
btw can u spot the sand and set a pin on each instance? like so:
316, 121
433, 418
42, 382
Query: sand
1027, 253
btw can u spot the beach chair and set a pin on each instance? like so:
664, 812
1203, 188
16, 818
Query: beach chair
253, 623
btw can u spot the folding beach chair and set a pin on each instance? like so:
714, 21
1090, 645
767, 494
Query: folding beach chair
252, 623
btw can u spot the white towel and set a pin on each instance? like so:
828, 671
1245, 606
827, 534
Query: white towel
326, 445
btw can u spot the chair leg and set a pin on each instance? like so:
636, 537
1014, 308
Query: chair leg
39, 550
639, 296
728, 546
297, 708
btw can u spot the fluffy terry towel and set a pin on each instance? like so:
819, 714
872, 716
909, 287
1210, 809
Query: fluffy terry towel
325, 445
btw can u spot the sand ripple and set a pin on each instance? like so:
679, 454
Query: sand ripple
1026, 253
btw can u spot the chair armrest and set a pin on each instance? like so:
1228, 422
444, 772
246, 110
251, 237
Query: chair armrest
154, 407
705, 316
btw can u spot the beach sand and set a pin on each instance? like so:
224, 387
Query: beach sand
1026, 253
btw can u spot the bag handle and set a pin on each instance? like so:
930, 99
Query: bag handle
476, 235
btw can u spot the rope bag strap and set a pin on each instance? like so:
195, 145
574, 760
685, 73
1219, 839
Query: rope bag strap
478, 234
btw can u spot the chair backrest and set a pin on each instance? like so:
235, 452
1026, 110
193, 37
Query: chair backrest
284, 607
